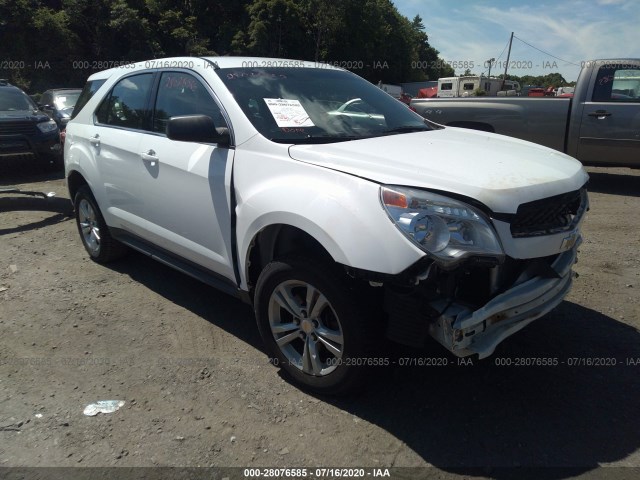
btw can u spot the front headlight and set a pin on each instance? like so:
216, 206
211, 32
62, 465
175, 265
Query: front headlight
447, 229
46, 127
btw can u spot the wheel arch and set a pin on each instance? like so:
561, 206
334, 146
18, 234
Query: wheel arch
74, 181
279, 240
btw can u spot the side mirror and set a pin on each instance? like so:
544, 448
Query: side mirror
197, 128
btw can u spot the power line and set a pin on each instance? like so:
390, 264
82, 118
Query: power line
499, 56
505, 47
546, 53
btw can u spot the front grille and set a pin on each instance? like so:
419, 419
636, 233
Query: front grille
18, 128
28, 156
13, 146
549, 215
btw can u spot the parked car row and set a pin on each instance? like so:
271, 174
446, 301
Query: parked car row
59, 103
26, 132
33, 132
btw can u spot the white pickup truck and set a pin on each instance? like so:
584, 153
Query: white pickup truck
341, 215
600, 125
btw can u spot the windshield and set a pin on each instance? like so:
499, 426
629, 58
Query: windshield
312, 105
66, 100
14, 100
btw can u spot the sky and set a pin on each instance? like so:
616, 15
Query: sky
574, 31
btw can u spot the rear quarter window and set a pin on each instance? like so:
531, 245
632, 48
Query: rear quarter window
88, 91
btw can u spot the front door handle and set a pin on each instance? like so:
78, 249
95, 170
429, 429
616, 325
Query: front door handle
95, 140
150, 156
600, 114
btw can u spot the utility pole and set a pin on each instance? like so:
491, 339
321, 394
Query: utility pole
507, 64
279, 20
488, 84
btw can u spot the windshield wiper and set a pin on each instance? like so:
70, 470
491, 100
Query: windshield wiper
311, 139
406, 129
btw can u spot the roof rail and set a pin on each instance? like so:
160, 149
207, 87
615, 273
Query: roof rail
4, 82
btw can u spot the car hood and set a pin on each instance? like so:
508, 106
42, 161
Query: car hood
16, 115
501, 172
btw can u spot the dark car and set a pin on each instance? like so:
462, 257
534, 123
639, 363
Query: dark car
58, 104
26, 133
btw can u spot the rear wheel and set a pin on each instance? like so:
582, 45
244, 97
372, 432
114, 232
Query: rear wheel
314, 326
95, 235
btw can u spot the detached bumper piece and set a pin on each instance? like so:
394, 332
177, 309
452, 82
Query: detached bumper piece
8, 190
464, 332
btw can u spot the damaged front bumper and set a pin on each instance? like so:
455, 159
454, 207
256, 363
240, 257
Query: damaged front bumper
465, 332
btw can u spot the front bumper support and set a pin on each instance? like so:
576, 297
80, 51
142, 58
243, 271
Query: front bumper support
464, 332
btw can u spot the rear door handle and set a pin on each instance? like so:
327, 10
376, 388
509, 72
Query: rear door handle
150, 156
600, 114
95, 140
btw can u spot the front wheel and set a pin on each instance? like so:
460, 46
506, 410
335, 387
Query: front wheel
95, 235
314, 326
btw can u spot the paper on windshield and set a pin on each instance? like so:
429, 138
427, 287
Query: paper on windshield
288, 113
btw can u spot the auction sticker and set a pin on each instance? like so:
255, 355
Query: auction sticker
288, 113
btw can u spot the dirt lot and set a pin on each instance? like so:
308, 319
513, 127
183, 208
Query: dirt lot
199, 391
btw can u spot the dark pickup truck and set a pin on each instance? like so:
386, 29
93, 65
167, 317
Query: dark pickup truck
600, 125
26, 133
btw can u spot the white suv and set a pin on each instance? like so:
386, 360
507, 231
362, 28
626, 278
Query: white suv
339, 213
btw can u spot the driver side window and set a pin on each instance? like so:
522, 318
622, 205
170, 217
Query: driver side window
182, 94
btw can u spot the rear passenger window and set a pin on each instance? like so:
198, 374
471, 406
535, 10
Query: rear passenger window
617, 84
125, 106
183, 94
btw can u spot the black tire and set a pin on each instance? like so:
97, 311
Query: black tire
102, 247
345, 313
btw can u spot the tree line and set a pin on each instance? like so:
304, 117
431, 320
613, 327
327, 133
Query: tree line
549, 80
58, 43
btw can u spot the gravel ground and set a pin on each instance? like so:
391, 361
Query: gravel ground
199, 391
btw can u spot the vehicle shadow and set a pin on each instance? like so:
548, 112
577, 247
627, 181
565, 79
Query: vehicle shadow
496, 420
15, 202
485, 418
224, 311
614, 184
